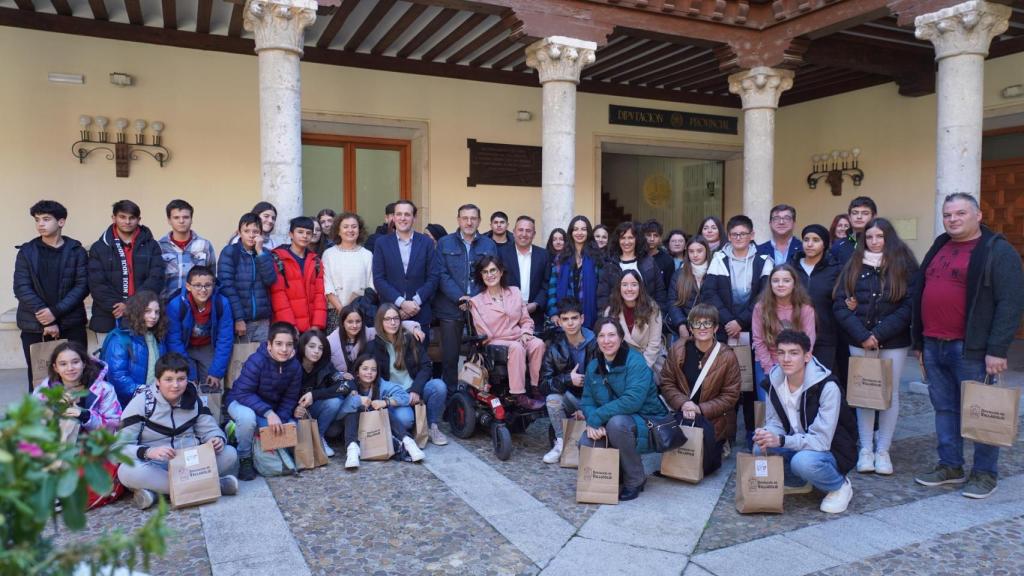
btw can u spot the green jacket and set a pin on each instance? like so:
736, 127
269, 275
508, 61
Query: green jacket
624, 386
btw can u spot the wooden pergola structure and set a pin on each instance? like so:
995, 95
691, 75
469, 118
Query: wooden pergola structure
672, 50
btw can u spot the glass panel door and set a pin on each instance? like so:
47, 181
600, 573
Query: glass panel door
356, 174
323, 178
378, 177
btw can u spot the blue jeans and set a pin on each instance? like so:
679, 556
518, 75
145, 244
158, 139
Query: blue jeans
759, 377
435, 395
326, 412
946, 367
818, 468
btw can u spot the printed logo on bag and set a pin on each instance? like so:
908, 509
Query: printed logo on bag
191, 457
589, 472
761, 468
685, 451
373, 433
188, 474
872, 382
979, 412
754, 484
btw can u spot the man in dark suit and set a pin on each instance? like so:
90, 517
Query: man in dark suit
403, 270
527, 267
783, 245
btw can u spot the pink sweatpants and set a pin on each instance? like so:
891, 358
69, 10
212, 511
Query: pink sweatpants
517, 359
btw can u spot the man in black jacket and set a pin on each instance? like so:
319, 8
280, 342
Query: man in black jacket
51, 281
966, 310
126, 259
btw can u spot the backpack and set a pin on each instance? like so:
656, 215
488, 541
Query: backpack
150, 404
279, 266
274, 463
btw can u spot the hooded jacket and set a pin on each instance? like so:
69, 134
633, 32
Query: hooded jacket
297, 295
245, 278
105, 274
718, 393
99, 408
266, 384
181, 321
559, 362
69, 310
826, 421
186, 424
127, 358
718, 282
178, 261
875, 315
624, 386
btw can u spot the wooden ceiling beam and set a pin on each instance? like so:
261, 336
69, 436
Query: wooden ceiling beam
399, 28
454, 36
790, 98
684, 63
503, 25
235, 23
656, 60
511, 58
170, 14
696, 67
99, 10
625, 53
62, 7
337, 21
26, 5
133, 8
372, 20
204, 12
442, 18
495, 51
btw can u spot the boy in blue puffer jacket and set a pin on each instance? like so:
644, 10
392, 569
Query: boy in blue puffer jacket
245, 273
200, 328
266, 393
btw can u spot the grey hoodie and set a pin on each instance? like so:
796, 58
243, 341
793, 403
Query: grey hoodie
819, 433
187, 424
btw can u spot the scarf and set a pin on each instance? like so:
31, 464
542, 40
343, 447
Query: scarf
699, 270
119, 246
873, 258
588, 287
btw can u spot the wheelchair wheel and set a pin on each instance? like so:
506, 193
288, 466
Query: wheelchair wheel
462, 415
501, 438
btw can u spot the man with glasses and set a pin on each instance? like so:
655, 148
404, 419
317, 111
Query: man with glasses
200, 327
783, 246
456, 254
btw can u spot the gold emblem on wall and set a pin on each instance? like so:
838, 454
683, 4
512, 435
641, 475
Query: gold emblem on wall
657, 191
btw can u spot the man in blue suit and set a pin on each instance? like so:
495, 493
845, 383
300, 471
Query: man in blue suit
783, 245
527, 267
403, 267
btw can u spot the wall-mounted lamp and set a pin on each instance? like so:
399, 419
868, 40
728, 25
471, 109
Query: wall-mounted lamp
123, 151
832, 167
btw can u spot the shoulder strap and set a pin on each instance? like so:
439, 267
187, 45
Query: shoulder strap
279, 265
704, 371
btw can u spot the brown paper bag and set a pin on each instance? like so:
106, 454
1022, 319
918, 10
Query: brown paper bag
421, 425
215, 402
239, 354
759, 414
597, 478
741, 347
572, 431
40, 353
288, 439
686, 463
989, 414
375, 435
759, 483
194, 477
869, 383
309, 452
69, 429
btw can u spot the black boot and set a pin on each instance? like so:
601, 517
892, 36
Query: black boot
246, 471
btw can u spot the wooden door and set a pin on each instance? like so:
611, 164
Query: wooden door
1002, 201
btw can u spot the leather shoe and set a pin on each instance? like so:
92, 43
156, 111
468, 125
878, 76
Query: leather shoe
524, 402
631, 493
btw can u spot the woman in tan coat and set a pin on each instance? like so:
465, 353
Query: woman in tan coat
716, 399
638, 314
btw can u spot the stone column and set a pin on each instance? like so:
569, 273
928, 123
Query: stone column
961, 35
558, 61
278, 26
759, 88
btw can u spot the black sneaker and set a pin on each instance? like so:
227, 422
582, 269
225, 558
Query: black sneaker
246, 471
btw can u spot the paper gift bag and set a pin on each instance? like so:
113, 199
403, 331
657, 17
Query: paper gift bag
214, 400
194, 477
686, 463
744, 355
288, 439
869, 383
69, 429
40, 354
759, 483
759, 414
375, 435
239, 354
597, 478
572, 431
421, 425
989, 414
309, 452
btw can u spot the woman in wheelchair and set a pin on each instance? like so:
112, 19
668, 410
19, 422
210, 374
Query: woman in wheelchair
500, 314
640, 318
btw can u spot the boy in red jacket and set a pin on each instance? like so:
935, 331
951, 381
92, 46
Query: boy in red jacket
297, 296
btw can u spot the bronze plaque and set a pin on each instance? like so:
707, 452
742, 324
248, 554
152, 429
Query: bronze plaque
503, 164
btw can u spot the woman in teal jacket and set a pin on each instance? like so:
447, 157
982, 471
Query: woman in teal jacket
619, 396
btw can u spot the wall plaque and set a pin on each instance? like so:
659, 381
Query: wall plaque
503, 164
671, 119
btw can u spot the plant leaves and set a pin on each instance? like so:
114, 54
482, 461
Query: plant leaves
43, 499
74, 508
5, 457
67, 483
97, 477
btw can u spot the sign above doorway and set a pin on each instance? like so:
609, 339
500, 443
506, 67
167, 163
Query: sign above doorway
671, 119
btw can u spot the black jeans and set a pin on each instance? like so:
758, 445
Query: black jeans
77, 334
451, 346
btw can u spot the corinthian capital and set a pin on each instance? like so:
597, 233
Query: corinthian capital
966, 28
279, 24
560, 58
761, 86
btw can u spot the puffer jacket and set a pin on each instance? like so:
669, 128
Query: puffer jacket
820, 285
875, 315
245, 278
677, 314
625, 387
266, 384
181, 321
189, 423
297, 295
385, 390
649, 271
127, 357
99, 408
177, 262
559, 362
417, 363
105, 275
718, 393
74, 285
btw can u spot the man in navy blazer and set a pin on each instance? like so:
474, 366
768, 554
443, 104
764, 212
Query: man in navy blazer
524, 256
783, 245
403, 270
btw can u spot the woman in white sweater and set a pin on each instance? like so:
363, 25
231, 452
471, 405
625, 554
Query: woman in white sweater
348, 267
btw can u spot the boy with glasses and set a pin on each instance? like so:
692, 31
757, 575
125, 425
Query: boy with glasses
182, 249
201, 328
783, 246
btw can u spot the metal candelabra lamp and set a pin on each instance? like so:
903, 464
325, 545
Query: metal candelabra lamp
123, 151
832, 167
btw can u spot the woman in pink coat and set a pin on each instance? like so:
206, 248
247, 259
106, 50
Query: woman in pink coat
500, 314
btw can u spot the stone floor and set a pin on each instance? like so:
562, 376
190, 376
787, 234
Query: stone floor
479, 515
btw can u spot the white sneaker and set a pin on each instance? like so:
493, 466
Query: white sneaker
866, 462
837, 501
883, 464
414, 451
328, 450
555, 453
352, 456
436, 436
143, 499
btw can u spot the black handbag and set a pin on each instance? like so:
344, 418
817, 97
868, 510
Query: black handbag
665, 431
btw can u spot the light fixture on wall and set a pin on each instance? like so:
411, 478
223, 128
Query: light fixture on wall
123, 151
832, 167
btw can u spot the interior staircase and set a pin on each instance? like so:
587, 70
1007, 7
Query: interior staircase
612, 213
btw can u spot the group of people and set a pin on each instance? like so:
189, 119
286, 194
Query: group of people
611, 326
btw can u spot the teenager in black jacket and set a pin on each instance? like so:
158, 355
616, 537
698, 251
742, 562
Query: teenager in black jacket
818, 272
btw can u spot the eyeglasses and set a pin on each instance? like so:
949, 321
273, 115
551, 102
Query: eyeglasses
702, 324
201, 286
392, 319
738, 235
490, 272
781, 219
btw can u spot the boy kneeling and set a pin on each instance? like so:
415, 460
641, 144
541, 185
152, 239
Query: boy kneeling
161, 418
809, 424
